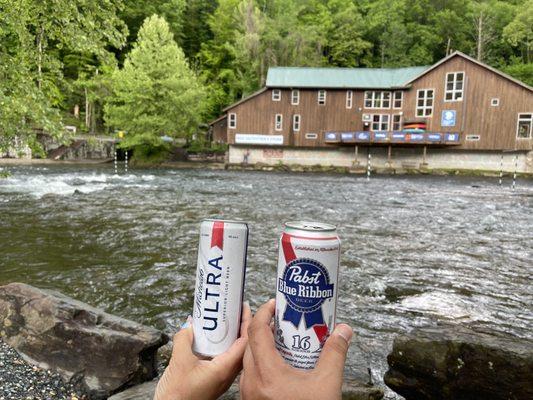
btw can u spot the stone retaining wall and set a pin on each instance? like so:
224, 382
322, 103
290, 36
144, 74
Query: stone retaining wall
401, 158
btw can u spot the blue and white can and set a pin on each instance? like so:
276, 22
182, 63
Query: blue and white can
306, 296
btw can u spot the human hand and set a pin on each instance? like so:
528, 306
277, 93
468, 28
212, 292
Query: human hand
266, 376
188, 377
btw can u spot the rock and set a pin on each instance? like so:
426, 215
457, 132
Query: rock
351, 390
96, 352
454, 362
144, 391
356, 390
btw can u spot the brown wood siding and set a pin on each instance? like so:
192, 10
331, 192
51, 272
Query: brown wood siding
496, 126
220, 131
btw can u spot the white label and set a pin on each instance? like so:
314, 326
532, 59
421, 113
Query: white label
306, 297
249, 138
218, 291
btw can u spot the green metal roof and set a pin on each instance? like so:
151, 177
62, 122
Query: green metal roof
338, 78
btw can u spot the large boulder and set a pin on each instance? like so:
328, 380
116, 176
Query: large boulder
454, 362
351, 390
97, 352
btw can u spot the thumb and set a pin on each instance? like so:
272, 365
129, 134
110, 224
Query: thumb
333, 354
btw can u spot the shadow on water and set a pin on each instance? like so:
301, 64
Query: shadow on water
415, 250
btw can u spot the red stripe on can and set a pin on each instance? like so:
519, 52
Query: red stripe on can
217, 235
288, 251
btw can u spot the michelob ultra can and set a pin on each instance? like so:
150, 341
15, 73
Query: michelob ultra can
306, 296
220, 273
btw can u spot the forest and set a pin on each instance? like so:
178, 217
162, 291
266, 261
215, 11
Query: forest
154, 68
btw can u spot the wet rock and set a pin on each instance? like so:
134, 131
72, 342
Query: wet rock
94, 351
351, 390
454, 362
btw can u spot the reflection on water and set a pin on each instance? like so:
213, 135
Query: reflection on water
415, 250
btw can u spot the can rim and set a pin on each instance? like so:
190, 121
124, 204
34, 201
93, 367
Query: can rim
231, 221
311, 226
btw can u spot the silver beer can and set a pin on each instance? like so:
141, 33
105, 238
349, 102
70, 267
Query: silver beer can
218, 294
306, 296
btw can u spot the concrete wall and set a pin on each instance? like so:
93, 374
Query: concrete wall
401, 158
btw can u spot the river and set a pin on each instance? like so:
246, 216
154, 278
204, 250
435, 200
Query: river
416, 250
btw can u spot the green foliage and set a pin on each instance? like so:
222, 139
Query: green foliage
33, 33
155, 93
58, 54
523, 72
201, 146
519, 32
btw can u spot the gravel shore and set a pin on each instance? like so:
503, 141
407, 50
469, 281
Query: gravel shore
20, 380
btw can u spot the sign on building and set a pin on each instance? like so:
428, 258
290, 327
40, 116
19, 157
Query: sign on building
245, 138
448, 118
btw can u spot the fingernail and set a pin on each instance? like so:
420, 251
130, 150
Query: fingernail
345, 332
246, 304
187, 323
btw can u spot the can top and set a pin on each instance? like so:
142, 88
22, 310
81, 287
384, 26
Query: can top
311, 226
227, 221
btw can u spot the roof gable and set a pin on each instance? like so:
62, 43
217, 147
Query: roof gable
473, 60
341, 78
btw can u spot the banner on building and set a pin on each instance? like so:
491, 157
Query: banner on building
246, 138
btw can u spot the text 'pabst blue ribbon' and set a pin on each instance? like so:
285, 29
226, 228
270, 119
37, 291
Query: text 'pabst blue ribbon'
305, 284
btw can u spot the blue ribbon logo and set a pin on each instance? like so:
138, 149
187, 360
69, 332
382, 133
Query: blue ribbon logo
305, 284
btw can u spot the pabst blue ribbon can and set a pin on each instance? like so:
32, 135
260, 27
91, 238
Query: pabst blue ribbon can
306, 297
220, 274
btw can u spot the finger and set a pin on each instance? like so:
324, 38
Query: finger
182, 345
333, 356
249, 375
261, 339
246, 319
229, 363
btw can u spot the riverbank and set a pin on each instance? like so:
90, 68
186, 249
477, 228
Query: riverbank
208, 165
21, 380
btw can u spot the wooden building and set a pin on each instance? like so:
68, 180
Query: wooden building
458, 104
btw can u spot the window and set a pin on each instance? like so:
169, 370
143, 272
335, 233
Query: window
495, 102
232, 120
295, 97
322, 97
278, 122
397, 101
472, 138
380, 122
349, 98
311, 136
424, 103
397, 122
454, 86
276, 95
375, 99
523, 129
296, 122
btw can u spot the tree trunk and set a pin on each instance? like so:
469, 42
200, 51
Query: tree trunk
87, 110
479, 54
40, 37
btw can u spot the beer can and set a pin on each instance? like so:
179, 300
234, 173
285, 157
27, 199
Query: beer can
306, 296
218, 294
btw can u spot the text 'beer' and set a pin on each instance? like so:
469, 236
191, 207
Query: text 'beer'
306, 296
219, 286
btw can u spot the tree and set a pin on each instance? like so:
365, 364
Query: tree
519, 32
135, 12
32, 33
345, 45
155, 93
